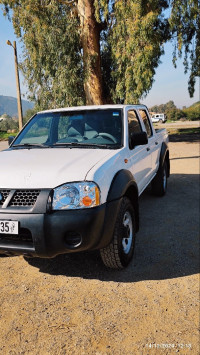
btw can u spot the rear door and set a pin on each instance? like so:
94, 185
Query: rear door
153, 144
140, 158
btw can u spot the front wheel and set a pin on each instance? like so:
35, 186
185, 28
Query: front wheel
119, 252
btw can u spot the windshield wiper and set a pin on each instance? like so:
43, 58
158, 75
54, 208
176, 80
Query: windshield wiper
81, 145
29, 145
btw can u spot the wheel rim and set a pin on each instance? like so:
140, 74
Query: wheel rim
128, 224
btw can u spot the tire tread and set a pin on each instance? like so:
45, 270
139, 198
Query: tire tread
110, 254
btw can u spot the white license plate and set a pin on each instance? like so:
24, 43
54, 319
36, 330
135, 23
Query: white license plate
9, 227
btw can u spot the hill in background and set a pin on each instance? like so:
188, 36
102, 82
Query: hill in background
196, 104
8, 104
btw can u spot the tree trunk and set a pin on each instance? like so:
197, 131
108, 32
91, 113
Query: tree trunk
90, 37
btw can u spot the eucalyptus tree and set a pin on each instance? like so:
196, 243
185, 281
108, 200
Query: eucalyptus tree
184, 23
91, 51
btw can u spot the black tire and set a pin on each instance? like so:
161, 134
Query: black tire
119, 252
159, 183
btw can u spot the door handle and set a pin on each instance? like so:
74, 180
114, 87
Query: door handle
148, 149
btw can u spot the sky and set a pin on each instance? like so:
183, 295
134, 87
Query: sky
169, 83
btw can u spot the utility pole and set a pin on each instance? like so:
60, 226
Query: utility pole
19, 102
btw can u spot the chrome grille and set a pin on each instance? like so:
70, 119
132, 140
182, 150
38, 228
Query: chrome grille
24, 198
3, 196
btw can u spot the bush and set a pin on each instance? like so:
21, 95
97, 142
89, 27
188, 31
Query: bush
9, 124
193, 112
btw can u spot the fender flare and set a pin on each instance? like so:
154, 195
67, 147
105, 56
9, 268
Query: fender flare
124, 184
120, 184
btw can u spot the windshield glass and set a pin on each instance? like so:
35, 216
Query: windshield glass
102, 128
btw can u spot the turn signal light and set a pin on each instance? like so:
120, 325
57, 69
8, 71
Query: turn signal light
87, 201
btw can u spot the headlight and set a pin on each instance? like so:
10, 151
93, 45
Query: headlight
76, 195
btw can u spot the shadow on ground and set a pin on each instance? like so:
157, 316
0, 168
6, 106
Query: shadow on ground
167, 245
185, 135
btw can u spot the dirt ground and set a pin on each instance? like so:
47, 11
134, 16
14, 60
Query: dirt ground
74, 305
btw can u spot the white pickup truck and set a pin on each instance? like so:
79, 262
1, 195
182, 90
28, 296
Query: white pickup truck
71, 181
159, 117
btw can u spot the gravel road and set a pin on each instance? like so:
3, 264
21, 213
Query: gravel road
73, 305
3, 145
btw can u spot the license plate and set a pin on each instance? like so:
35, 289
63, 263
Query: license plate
9, 227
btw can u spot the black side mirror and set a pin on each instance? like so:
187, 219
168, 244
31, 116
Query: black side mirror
138, 139
10, 139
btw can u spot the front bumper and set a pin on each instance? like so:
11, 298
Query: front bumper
59, 232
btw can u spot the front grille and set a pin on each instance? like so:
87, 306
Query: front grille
3, 196
23, 236
18, 198
24, 198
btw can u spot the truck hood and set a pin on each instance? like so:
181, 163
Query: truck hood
47, 168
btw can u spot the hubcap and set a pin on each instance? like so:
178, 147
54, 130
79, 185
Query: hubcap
128, 224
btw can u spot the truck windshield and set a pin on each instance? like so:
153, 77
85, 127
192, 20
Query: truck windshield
87, 128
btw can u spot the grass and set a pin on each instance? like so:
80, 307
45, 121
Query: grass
4, 135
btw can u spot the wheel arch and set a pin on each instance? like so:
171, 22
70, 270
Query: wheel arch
124, 184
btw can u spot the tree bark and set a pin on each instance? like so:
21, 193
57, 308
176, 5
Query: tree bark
90, 37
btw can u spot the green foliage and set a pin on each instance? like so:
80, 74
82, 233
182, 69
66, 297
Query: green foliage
191, 113
8, 124
163, 107
52, 62
175, 114
196, 105
135, 40
132, 34
4, 136
185, 28
29, 114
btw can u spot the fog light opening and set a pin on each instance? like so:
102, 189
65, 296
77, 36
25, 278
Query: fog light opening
73, 239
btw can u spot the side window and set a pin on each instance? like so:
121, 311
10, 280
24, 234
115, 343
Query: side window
145, 119
133, 123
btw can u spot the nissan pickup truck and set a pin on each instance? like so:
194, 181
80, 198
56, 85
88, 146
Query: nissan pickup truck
71, 180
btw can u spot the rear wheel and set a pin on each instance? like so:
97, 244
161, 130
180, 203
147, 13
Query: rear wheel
159, 183
119, 252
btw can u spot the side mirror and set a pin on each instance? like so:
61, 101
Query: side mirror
138, 139
10, 139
